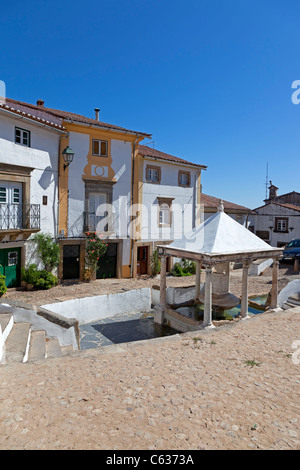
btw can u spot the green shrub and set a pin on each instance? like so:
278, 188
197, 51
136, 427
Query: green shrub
3, 287
45, 280
187, 268
39, 279
47, 250
30, 274
155, 263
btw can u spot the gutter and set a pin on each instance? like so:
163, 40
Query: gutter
36, 121
192, 165
120, 131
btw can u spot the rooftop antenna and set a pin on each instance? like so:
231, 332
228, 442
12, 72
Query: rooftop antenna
267, 181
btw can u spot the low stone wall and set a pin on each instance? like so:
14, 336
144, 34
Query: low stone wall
259, 266
66, 330
291, 288
175, 295
90, 309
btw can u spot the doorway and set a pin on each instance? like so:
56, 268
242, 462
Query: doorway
10, 266
107, 264
142, 259
71, 261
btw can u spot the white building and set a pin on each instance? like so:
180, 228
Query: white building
278, 220
169, 195
29, 144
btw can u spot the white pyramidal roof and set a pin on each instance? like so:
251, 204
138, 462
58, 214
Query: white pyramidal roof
220, 234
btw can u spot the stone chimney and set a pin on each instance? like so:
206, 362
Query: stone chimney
272, 191
97, 110
40, 102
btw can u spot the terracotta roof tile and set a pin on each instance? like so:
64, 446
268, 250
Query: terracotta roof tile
213, 203
73, 117
150, 152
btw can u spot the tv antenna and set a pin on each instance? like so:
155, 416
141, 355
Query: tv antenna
267, 177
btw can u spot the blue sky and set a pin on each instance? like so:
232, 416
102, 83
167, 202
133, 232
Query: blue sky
210, 79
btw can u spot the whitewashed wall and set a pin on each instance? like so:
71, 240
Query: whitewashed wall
42, 155
121, 152
183, 204
266, 219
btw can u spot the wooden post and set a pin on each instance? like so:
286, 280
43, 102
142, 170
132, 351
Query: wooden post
244, 301
163, 280
207, 320
274, 292
198, 280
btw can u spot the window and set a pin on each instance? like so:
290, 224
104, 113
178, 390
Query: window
153, 174
281, 224
164, 212
16, 196
22, 137
184, 178
100, 148
12, 258
3, 195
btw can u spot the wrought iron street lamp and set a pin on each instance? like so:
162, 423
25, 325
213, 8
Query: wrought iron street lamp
68, 155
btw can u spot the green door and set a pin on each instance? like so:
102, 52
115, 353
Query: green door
107, 264
10, 266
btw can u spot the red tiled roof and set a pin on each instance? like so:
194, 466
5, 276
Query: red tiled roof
211, 202
68, 116
286, 205
40, 116
150, 152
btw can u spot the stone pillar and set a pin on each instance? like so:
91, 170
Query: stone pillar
244, 301
163, 280
198, 280
207, 320
274, 292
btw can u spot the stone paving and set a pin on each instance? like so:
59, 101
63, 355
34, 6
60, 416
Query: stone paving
234, 387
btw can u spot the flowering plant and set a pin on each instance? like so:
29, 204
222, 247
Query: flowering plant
95, 248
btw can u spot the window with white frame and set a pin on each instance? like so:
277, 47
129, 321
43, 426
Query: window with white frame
184, 178
164, 212
281, 224
22, 136
153, 174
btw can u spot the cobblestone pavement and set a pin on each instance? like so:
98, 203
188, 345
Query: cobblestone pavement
234, 387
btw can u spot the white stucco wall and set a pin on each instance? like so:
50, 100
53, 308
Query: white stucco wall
90, 309
42, 155
183, 204
266, 219
121, 152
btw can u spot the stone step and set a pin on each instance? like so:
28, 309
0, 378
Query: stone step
53, 348
6, 324
287, 305
37, 346
16, 345
294, 300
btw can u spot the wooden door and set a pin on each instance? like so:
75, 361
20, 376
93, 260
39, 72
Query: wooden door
142, 260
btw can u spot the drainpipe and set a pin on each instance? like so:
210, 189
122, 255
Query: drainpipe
132, 199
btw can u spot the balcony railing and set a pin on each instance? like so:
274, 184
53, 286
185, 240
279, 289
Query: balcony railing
97, 223
19, 216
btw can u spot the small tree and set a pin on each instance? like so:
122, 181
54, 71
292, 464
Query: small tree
47, 250
95, 248
155, 263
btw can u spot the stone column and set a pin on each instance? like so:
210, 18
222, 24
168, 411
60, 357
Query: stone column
207, 320
244, 301
198, 280
274, 292
163, 280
